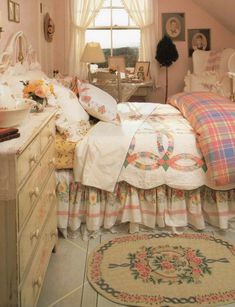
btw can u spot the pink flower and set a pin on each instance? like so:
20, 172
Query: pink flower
39, 91
196, 272
86, 99
166, 265
141, 255
196, 260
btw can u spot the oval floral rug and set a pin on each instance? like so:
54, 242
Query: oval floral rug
164, 270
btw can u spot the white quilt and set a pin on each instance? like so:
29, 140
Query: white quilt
154, 145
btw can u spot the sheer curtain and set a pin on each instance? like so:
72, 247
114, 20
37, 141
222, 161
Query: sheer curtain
142, 12
82, 12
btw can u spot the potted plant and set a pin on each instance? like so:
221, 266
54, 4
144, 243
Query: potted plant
166, 54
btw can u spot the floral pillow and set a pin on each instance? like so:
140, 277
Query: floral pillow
72, 120
98, 103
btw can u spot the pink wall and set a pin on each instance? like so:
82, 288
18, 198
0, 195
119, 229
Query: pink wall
195, 18
29, 20
61, 35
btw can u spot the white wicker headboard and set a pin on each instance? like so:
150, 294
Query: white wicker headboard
18, 50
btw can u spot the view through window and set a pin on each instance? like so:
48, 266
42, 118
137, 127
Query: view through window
116, 32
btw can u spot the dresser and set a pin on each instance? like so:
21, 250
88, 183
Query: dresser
28, 224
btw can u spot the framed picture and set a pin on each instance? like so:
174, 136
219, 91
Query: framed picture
198, 39
11, 10
117, 62
173, 25
17, 12
142, 70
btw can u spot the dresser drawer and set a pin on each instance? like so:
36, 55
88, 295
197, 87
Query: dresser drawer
33, 282
47, 134
28, 159
30, 192
32, 230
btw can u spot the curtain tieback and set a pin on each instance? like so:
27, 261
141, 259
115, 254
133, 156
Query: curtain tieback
80, 28
146, 26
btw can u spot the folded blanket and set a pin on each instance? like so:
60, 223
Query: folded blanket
213, 119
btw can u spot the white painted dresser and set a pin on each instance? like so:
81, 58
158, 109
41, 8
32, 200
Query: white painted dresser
28, 224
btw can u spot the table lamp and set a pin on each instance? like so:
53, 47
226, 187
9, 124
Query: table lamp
92, 54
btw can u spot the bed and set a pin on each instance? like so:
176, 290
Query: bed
139, 166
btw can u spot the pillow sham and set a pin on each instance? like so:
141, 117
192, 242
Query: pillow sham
97, 102
210, 81
66, 100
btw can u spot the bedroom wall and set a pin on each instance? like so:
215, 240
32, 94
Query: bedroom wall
195, 18
31, 22
28, 22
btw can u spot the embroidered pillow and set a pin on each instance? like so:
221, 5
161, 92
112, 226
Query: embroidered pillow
98, 103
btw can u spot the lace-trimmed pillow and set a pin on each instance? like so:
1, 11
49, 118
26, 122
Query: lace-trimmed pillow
98, 103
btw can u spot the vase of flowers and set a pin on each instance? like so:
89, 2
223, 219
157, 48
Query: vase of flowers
38, 91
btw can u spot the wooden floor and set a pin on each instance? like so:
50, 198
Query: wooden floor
66, 284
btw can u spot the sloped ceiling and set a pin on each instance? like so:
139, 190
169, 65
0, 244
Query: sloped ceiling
222, 10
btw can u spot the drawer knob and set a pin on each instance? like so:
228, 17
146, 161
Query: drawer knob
38, 282
35, 234
54, 233
35, 192
52, 195
33, 159
50, 136
52, 162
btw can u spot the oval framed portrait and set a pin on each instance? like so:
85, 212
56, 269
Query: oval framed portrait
173, 27
199, 42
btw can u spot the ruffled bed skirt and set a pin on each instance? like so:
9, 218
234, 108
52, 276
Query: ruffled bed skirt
158, 207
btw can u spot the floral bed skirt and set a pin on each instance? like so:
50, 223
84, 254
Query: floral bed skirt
158, 207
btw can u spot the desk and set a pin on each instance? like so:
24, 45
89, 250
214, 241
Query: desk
123, 90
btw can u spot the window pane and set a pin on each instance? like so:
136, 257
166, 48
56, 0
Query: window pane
101, 36
127, 42
107, 3
103, 18
120, 17
117, 3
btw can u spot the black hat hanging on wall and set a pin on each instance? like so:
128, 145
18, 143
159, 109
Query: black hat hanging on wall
49, 28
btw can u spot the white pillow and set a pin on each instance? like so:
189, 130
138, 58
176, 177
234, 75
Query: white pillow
68, 102
97, 102
71, 120
204, 82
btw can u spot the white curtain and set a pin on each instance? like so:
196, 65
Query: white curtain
142, 12
82, 12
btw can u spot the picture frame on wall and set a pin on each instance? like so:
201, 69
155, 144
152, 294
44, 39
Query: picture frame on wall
198, 39
11, 10
142, 70
173, 25
17, 12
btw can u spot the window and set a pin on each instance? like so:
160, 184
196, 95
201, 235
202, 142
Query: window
116, 32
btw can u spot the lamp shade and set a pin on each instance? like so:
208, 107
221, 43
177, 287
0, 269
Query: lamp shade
93, 53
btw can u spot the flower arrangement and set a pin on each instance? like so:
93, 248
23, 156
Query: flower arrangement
37, 90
